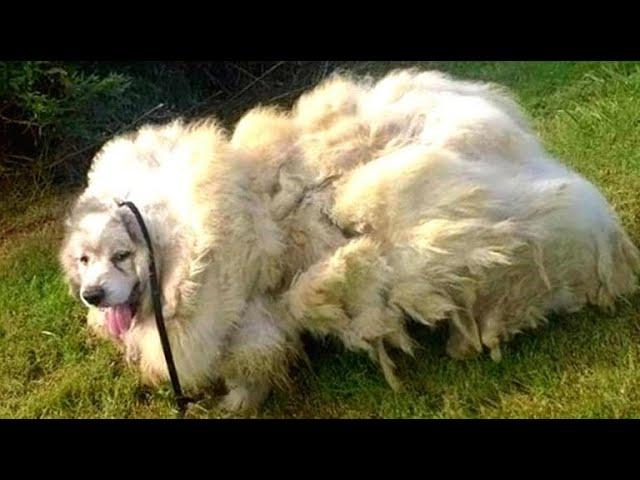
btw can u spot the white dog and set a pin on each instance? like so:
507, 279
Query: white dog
416, 198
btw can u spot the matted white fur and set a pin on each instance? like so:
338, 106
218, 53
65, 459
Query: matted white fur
369, 204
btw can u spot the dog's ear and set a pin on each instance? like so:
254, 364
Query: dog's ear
130, 223
69, 266
67, 257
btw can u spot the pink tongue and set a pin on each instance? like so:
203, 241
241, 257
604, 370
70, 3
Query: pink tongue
119, 319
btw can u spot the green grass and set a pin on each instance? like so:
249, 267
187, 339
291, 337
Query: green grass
582, 365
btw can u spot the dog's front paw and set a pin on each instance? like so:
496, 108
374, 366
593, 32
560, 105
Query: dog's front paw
244, 399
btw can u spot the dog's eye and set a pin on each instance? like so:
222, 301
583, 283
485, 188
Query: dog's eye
120, 256
84, 259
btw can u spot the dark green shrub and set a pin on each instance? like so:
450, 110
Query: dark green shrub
45, 103
55, 115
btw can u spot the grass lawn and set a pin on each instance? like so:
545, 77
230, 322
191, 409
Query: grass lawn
582, 365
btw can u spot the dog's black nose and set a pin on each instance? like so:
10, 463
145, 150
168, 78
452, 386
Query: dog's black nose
93, 295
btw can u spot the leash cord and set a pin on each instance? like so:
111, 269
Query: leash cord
180, 399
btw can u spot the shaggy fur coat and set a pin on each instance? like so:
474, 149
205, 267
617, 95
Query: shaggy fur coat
366, 206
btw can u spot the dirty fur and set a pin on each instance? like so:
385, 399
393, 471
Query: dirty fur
366, 206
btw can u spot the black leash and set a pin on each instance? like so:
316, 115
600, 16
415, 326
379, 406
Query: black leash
181, 400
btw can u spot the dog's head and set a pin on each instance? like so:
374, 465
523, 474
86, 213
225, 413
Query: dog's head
105, 261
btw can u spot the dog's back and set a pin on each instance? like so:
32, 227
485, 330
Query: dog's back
459, 214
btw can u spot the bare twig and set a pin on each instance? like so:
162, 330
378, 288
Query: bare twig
19, 122
21, 157
216, 81
75, 153
140, 117
277, 65
249, 74
290, 92
202, 103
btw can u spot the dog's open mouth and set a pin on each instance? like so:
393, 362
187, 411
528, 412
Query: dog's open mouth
119, 318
